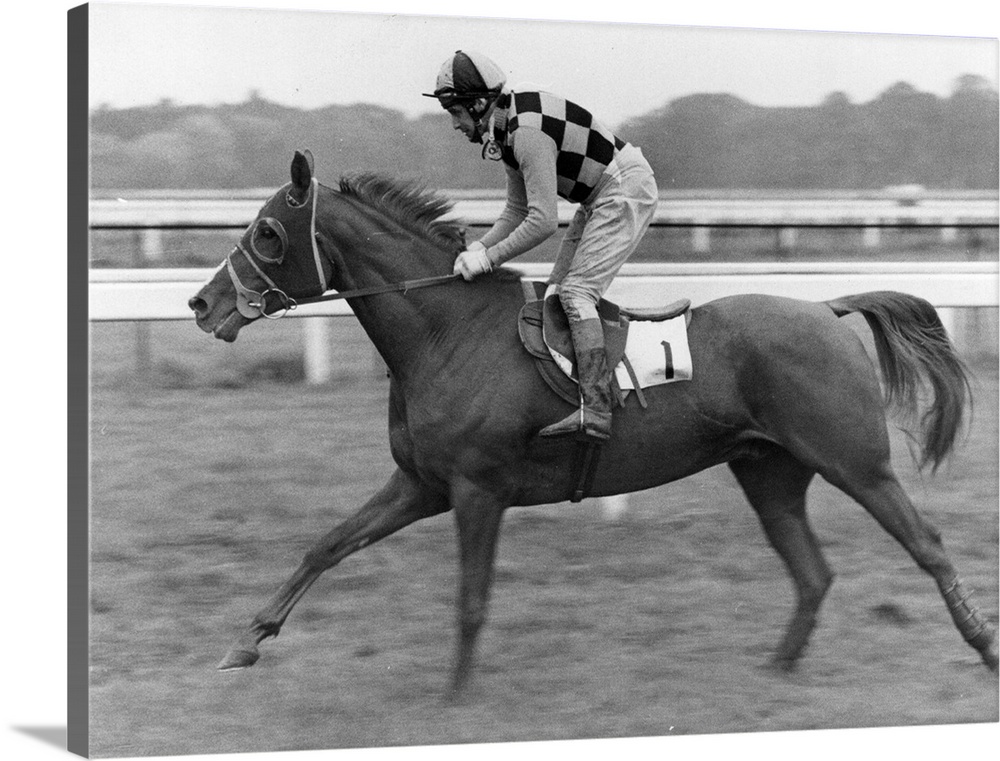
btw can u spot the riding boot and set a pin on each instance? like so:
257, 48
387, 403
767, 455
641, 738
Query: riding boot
593, 419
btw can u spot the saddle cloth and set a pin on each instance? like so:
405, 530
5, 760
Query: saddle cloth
646, 347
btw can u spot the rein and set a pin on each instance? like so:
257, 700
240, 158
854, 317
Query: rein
289, 304
253, 304
404, 286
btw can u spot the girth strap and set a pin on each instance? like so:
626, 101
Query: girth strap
585, 467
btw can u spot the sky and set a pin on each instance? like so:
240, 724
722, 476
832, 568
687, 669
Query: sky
142, 53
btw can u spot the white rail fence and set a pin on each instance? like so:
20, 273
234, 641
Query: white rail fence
152, 294
155, 294
162, 294
945, 212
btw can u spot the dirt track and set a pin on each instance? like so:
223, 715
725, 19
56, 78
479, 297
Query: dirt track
209, 483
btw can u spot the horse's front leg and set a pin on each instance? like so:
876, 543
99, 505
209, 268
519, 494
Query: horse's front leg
399, 503
477, 515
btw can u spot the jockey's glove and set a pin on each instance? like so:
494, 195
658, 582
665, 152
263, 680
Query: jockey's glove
473, 261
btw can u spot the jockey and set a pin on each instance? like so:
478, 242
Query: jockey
552, 148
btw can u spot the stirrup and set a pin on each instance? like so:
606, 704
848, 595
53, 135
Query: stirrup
583, 423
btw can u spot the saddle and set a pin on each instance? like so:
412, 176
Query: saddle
543, 328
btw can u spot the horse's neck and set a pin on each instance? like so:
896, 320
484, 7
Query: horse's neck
420, 326
424, 330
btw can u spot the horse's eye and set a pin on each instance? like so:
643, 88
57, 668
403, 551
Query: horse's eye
269, 240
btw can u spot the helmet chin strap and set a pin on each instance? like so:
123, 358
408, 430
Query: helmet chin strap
477, 124
482, 128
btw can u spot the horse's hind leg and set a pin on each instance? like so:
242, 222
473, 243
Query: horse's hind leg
776, 487
881, 494
399, 503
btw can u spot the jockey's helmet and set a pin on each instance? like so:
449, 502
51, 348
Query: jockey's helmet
465, 77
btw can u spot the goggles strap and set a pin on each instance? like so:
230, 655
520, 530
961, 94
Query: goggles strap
315, 241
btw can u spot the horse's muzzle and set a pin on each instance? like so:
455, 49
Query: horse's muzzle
214, 308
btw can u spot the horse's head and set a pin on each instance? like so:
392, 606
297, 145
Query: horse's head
372, 235
277, 260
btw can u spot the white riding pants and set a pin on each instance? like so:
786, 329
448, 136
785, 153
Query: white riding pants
604, 233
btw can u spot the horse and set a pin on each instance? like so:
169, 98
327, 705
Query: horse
783, 390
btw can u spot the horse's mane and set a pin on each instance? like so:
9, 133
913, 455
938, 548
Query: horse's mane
415, 208
410, 204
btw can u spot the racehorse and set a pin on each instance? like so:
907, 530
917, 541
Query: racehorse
782, 390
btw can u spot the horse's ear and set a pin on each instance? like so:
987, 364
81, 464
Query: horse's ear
302, 173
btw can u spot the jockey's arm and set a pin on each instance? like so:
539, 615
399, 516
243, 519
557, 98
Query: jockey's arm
531, 215
514, 211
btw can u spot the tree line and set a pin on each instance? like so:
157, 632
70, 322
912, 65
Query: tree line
704, 141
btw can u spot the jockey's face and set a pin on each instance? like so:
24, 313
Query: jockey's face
463, 121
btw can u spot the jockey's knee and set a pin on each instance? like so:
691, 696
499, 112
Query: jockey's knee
578, 303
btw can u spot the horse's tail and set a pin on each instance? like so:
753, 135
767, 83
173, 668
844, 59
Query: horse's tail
914, 350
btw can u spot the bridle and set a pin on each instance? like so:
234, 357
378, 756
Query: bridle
253, 304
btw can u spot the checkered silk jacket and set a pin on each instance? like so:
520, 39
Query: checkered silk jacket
584, 146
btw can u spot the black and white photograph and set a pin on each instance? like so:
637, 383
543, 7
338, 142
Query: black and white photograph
450, 381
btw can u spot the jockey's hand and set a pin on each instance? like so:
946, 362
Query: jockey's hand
473, 261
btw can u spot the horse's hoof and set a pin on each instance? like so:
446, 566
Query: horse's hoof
783, 665
990, 657
455, 697
238, 658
